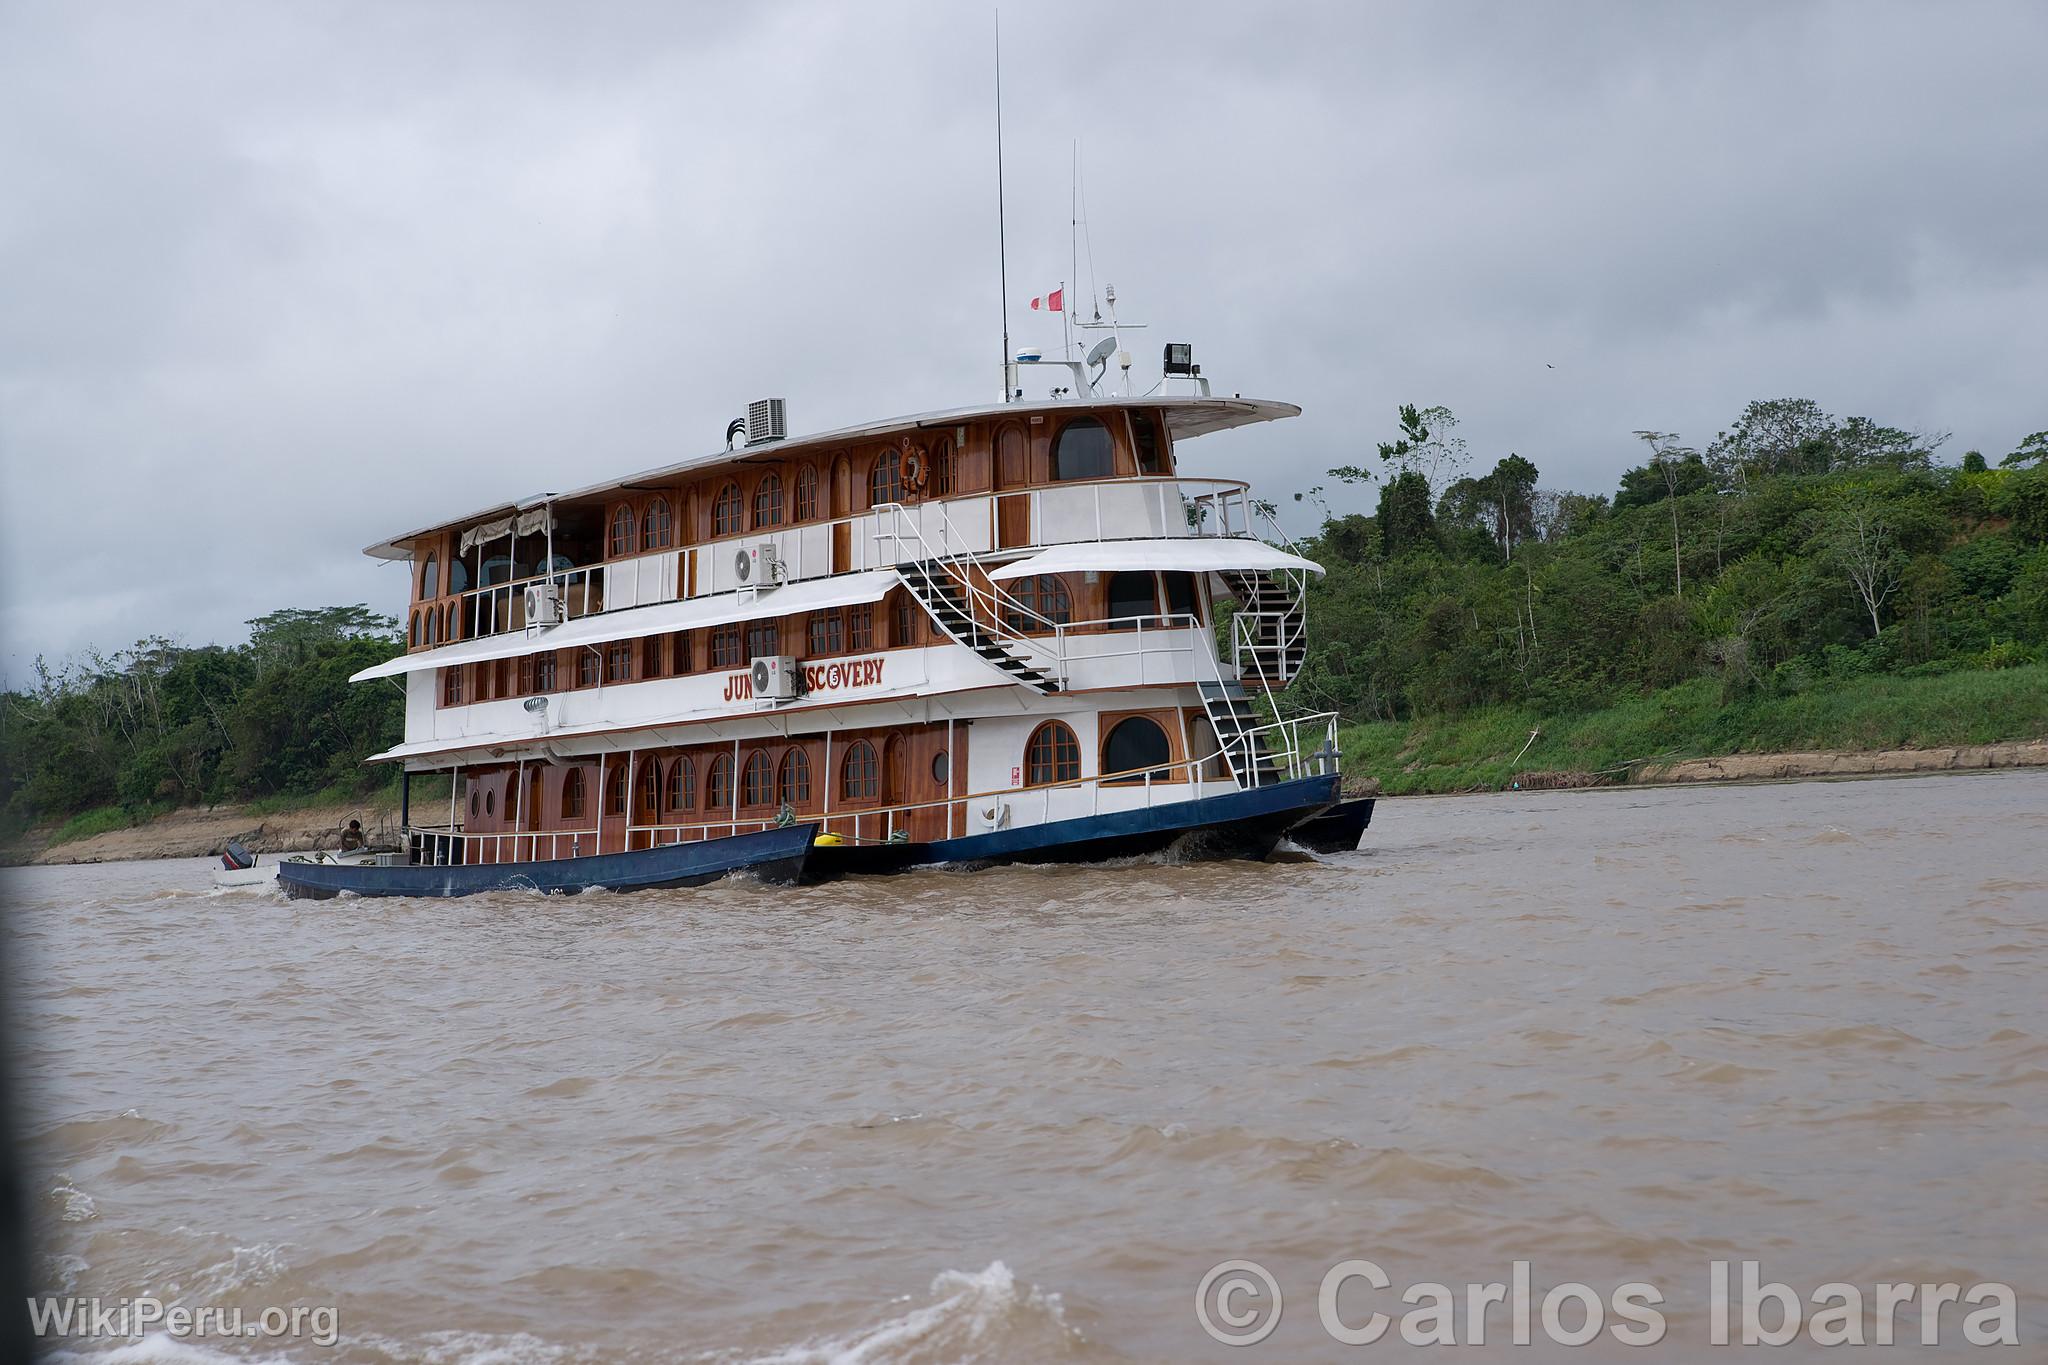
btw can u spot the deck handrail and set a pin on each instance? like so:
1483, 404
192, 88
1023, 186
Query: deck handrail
736, 823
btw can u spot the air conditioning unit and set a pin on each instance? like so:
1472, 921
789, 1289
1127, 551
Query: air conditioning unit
775, 678
757, 566
766, 421
543, 604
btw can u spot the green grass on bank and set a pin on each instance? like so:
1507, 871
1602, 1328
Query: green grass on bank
99, 820
1477, 750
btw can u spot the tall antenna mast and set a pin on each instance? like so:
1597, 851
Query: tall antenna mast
1002, 217
1073, 251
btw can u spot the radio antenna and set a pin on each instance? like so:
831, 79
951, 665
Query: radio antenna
1002, 218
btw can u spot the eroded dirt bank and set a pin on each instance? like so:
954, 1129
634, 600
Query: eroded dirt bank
202, 832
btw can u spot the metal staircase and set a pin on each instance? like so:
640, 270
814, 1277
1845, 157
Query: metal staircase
948, 597
1238, 725
1269, 633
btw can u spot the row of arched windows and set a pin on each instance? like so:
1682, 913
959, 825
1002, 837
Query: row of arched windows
1135, 748
436, 625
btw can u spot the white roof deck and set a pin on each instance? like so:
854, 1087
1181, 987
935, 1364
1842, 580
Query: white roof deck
1185, 417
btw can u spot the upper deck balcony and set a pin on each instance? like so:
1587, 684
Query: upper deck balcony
997, 483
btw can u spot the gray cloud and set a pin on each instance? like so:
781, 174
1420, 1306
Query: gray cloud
276, 281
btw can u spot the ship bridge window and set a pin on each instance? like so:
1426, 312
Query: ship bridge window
1131, 602
1145, 440
430, 579
1083, 450
1052, 755
1136, 750
885, 481
1180, 595
768, 502
621, 543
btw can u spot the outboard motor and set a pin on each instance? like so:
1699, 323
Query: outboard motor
237, 858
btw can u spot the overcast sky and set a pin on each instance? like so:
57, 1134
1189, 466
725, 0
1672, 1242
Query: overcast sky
277, 280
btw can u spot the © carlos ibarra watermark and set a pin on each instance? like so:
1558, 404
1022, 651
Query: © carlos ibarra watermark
136, 1318
1239, 1303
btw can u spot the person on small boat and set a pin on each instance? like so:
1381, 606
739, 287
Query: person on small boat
352, 838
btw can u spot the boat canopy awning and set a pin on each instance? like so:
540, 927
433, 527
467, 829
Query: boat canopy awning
843, 590
1195, 554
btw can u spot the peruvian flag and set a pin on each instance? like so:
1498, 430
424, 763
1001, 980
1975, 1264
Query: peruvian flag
1051, 302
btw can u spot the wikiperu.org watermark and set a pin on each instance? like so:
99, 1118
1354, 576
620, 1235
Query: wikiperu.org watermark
1357, 1303
131, 1319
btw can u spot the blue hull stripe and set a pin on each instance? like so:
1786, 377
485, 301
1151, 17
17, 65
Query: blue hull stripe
779, 853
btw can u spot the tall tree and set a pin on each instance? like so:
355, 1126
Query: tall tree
1672, 463
1861, 534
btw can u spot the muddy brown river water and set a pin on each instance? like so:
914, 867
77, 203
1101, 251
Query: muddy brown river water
1020, 1114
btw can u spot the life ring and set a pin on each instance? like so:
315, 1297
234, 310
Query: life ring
915, 469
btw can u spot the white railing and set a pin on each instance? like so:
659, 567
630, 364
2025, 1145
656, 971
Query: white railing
1139, 508
446, 845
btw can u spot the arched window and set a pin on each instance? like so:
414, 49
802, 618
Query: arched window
941, 485
1130, 599
682, 785
572, 794
757, 780
793, 780
1083, 450
622, 532
416, 632
649, 808
885, 480
1137, 749
451, 615
768, 501
806, 492
433, 627
430, 578
860, 777
657, 529
1145, 439
727, 511
615, 789
1052, 755
718, 784
1039, 598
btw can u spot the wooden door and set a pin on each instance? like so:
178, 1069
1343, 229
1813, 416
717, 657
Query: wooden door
842, 506
613, 803
1013, 470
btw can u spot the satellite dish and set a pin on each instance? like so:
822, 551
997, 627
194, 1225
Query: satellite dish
1101, 351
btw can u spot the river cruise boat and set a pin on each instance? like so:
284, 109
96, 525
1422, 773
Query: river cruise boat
982, 635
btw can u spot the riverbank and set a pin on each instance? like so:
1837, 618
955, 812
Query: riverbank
204, 831
1858, 727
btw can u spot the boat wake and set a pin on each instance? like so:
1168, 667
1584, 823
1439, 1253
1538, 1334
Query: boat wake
985, 1316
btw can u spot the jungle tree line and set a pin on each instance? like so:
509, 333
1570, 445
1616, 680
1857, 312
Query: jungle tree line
165, 724
1792, 549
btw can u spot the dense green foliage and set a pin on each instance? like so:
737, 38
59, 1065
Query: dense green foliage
161, 724
1792, 555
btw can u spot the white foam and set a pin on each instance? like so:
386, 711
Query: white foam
967, 1322
78, 1205
159, 1349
